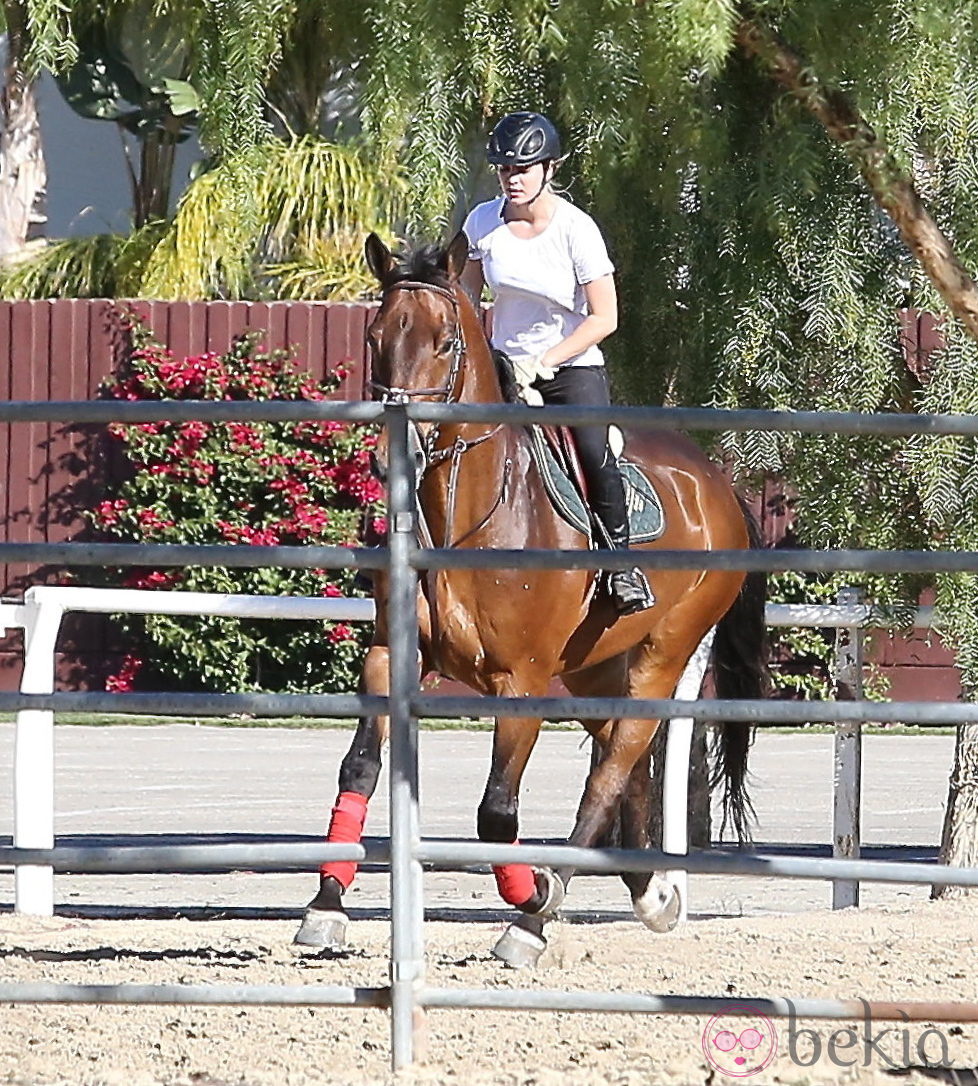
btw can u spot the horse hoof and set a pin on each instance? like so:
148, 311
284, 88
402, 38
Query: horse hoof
519, 948
322, 930
659, 907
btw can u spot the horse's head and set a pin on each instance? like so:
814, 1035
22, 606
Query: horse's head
416, 340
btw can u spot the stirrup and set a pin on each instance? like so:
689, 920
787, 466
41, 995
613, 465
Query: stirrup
630, 591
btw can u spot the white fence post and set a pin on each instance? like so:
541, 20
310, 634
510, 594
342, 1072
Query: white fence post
675, 783
847, 799
34, 758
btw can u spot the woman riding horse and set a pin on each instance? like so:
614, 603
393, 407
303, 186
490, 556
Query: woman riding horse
554, 301
507, 632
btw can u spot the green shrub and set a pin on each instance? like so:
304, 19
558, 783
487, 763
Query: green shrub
258, 483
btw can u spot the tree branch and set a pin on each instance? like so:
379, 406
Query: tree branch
891, 186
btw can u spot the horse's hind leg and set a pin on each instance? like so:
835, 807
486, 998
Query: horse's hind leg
324, 921
655, 900
620, 780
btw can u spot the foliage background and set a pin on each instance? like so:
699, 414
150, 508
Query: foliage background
254, 483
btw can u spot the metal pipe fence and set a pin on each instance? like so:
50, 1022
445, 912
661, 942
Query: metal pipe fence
407, 996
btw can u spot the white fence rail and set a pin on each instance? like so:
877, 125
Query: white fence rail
40, 617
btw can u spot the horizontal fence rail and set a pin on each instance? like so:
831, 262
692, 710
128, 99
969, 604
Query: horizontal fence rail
406, 850
228, 995
550, 708
310, 995
622, 1002
455, 855
244, 556
644, 418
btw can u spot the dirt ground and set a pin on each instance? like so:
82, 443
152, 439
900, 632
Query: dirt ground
922, 951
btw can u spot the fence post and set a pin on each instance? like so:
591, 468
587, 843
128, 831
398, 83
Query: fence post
34, 758
675, 787
848, 679
407, 891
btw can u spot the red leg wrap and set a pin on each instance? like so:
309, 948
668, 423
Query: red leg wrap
515, 882
345, 826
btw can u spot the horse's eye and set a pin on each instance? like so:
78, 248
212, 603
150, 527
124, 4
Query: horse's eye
447, 345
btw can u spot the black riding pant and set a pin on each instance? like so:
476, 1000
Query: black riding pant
588, 386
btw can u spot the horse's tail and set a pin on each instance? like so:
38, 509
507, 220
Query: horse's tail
740, 670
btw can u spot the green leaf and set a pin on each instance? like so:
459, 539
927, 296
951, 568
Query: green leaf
182, 97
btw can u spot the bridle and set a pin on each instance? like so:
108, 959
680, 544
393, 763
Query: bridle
449, 393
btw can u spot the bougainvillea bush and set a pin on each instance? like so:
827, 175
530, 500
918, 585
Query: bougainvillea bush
253, 483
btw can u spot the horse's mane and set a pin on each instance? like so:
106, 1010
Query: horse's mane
426, 264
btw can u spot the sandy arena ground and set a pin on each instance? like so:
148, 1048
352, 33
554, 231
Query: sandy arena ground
758, 937
924, 953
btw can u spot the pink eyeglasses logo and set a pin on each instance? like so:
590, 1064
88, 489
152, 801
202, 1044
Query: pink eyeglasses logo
739, 1041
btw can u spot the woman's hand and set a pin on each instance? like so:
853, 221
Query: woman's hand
546, 365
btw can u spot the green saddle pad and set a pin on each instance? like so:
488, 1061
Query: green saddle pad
646, 520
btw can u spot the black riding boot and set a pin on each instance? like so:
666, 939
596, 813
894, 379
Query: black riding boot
628, 588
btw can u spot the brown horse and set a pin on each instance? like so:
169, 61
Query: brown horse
479, 488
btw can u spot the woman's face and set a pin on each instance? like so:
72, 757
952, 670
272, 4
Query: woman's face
520, 184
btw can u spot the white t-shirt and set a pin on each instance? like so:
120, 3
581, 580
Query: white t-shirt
538, 283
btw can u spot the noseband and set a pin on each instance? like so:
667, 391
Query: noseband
449, 392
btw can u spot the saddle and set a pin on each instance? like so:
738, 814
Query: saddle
555, 455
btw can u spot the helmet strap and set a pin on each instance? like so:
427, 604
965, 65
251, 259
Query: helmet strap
543, 184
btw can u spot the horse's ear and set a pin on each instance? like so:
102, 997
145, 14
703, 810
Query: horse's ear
379, 258
456, 256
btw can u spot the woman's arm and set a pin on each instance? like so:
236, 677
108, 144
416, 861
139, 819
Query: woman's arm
601, 321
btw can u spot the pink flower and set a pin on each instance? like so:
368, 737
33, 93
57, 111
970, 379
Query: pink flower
340, 632
156, 578
108, 511
122, 681
150, 520
371, 491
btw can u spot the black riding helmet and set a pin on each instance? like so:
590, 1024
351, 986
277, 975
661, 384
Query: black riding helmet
523, 139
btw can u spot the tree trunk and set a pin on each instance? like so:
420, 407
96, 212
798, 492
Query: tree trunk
23, 176
959, 841
895, 193
891, 186
151, 190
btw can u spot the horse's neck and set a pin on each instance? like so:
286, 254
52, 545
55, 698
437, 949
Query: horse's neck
473, 480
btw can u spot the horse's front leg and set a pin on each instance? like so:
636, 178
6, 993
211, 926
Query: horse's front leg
534, 891
325, 920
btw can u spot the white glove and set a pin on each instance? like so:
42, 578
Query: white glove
527, 371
